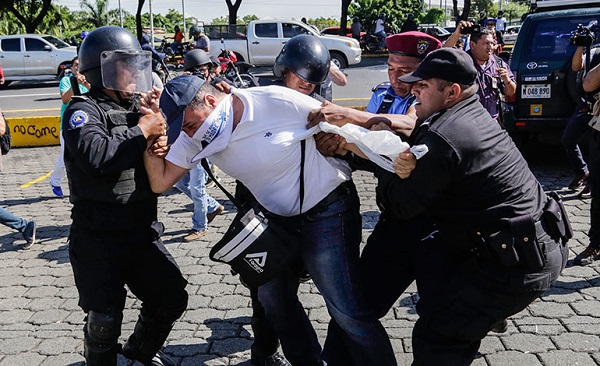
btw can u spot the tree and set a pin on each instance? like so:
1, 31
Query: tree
30, 13
344, 17
395, 12
233, 9
98, 12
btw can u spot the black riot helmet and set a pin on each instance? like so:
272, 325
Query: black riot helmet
195, 58
306, 56
108, 38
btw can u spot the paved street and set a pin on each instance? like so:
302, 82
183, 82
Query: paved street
41, 324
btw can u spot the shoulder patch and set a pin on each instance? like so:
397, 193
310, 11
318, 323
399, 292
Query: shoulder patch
383, 85
78, 119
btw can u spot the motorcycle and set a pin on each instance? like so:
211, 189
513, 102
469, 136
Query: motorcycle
370, 42
230, 68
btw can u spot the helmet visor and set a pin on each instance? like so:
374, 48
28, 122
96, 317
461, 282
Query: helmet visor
127, 71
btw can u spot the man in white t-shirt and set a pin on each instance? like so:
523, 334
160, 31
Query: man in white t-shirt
255, 135
380, 30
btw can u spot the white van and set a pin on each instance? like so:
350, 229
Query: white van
34, 57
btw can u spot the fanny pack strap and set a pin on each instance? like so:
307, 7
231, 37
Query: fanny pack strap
237, 204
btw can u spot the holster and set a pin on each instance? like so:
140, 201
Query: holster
556, 219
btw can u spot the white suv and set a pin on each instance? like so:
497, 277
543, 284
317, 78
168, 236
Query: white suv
34, 57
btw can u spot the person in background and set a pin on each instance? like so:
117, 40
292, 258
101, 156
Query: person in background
500, 22
380, 30
177, 39
577, 126
26, 227
409, 25
201, 40
494, 77
73, 84
490, 23
356, 28
591, 85
1, 76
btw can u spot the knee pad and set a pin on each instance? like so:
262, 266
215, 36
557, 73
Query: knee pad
103, 327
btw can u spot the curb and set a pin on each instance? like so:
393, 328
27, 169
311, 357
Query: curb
45, 131
34, 131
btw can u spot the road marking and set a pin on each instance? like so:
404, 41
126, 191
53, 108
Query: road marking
29, 95
31, 110
26, 185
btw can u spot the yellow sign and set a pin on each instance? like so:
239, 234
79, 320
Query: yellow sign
535, 109
34, 131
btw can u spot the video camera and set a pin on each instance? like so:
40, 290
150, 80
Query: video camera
475, 28
584, 36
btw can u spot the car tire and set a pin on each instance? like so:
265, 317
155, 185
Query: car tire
339, 59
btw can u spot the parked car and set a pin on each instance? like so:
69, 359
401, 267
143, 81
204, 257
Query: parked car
547, 88
34, 57
261, 41
335, 31
435, 31
510, 34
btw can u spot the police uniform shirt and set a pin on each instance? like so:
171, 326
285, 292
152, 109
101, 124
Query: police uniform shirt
472, 176
399, 106
264, 151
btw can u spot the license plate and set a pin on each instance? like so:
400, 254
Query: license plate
536, 91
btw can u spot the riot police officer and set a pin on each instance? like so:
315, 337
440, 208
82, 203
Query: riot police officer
115, 236
197, 62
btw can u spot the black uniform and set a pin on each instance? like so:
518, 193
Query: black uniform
494, 224
115, 236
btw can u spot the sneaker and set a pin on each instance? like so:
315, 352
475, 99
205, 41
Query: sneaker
57, 191
276, 359
586, 192
578, 181
161, 359
500, 327
588, 256
29, 234
211, 216
194, 235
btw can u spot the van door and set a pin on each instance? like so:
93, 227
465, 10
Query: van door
38, 57
266, 43
11, 57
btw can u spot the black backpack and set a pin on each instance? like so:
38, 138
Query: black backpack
5, 139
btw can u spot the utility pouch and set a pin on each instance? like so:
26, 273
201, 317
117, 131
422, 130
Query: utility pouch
556, 218
529, 249
502, 246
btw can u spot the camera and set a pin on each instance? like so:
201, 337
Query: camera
584, 35
475, 28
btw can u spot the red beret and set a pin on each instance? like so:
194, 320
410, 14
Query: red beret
414, 44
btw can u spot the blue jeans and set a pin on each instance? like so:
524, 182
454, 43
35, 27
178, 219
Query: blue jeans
330, 251
576, 127
12, 221
383, 36
193, 185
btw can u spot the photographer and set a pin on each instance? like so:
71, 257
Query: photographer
494, 78
577, 125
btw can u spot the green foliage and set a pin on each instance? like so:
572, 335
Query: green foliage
321, 22
396, 12
433, 16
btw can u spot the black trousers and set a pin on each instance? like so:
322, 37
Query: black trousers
111, 246
594, 180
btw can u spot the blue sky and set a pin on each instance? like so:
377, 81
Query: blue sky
207, 10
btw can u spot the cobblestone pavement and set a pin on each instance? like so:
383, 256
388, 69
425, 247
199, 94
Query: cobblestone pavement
41, 324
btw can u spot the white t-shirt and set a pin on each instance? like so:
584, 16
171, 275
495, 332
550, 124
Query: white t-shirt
379, 26
264, 151
500, 23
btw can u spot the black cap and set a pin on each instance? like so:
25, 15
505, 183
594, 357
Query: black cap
448, 64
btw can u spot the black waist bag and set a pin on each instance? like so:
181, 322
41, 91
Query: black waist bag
256, 248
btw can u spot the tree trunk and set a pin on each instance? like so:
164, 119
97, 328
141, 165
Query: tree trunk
233, 9
30, 24
465, 12
344, 18
138, 20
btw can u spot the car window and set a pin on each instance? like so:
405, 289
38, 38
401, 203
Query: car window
33, 44
266, 30
290, 30
60, 44
330, 31
11, 45
551, 38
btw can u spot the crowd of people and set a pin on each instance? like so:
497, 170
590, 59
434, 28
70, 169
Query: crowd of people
481, 239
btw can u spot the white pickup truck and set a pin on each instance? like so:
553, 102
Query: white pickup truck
260, 42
